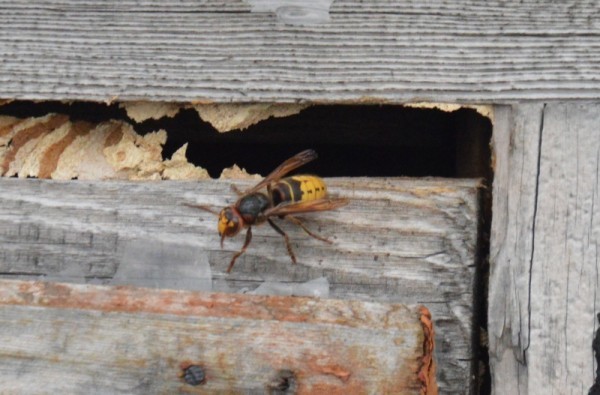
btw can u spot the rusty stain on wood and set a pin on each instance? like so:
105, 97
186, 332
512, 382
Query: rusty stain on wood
237, 341
424, 255
427, 372
130, 299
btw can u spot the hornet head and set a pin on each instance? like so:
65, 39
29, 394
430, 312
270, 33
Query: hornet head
230, 223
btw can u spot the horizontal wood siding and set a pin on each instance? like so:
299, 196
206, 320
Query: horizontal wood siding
399, 240
221, 51
81, 339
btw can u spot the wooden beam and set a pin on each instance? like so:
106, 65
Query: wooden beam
516, 148
221, 51
400, 240
545, 235
66, 338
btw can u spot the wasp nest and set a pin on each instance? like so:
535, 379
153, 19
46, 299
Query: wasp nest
55, 147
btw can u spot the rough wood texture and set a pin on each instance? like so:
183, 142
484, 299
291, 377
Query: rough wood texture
220, 51
94, 339
544, 276
399, 240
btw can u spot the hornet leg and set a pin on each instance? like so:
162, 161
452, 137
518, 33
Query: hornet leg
203, 207
237, 255
296, 221
287, 239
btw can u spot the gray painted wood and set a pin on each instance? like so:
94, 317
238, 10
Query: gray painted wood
399, 240
86, 339
544, 249
220, 51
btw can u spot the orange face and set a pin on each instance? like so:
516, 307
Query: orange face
230, 222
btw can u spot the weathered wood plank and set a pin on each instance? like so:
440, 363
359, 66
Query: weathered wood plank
96, 339
399, 240
544, 279
221, 51
516, 147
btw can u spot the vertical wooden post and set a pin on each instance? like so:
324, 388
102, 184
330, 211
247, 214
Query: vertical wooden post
544, 248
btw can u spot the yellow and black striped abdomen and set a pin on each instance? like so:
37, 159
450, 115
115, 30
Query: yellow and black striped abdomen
298, 188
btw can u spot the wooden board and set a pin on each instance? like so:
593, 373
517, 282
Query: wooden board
220, 51
545, 235
61, 338
400, 240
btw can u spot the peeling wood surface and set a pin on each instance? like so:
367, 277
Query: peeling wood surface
400, 240
219, 51
96, 339
544, 293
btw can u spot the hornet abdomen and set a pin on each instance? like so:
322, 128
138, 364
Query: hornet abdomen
298, 188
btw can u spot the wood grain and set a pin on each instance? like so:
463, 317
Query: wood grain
219, 51
516, 146
545, 236
92, 339
400, 240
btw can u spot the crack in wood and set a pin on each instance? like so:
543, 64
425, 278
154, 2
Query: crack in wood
535, 208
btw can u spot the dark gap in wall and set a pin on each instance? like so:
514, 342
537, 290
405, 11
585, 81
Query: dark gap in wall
77, 111
595, 389
351, 141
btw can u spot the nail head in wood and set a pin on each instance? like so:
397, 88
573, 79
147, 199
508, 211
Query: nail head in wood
193, 374
284, 383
